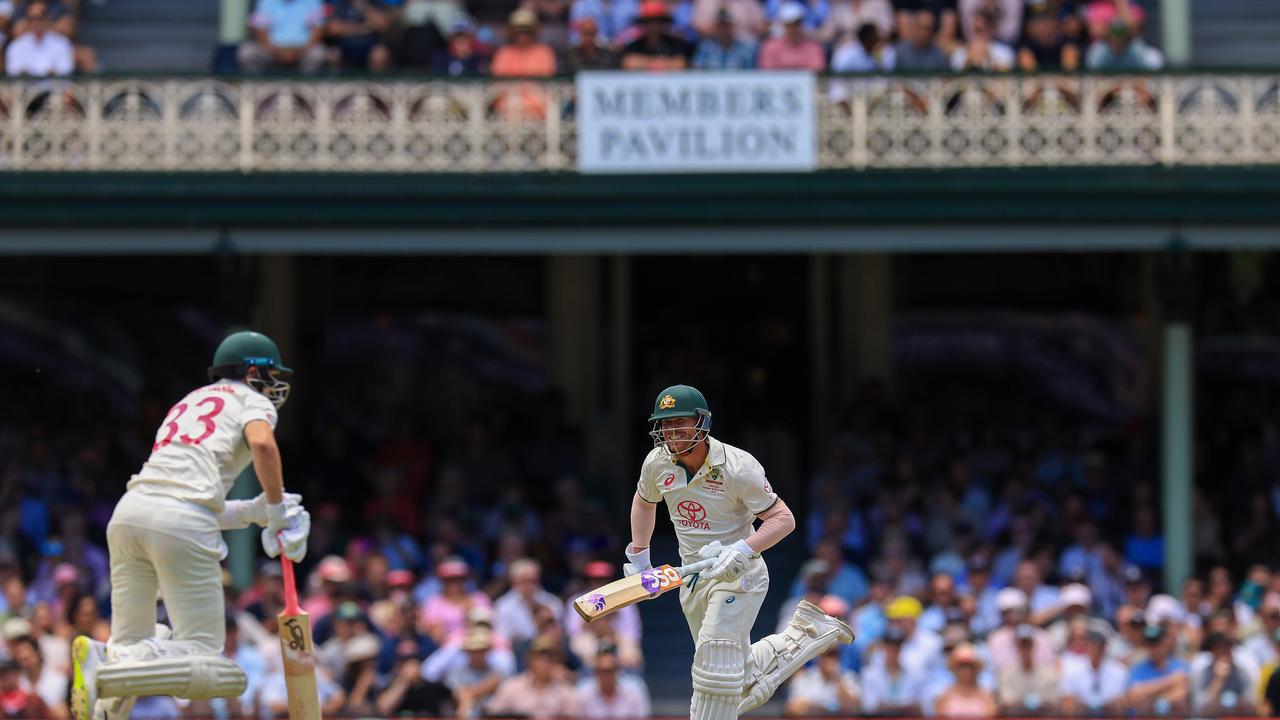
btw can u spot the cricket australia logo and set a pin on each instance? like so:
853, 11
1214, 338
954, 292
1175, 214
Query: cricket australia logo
667, 402
596, 601
692, 515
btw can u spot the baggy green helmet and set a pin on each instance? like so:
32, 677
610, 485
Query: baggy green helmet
680, 401
247, 349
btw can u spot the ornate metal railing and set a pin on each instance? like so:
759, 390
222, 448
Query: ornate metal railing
192, 125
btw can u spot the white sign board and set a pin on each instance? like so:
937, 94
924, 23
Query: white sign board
632, 122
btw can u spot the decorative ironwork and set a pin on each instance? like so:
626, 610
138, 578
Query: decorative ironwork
184, 125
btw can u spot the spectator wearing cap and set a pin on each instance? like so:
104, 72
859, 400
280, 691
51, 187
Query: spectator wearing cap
612, 17
1223, 687
608, 694
1158, 684
331, 574
921, 649
513, 612
747, 17
794, 49
1045, 47
656, 48
348, 625
966, 698
1027, 687
1100, 14
867, 52
954, 634
452, 655
357, 28
37, 677
723, 49
523, 55
823, 688
359, 674
540, 691
847, 18
1220, 623
463, 56
16, 702
842, 577
1075, 601
286, 34
476, 679
38, 50
815, 12
588, 50
889, 687
1093, 684
588, 640
1122, 50
444, 616
1003, 643
917, 50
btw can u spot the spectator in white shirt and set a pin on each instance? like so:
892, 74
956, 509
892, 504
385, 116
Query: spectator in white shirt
609, 695
513, 612
1003, 644
824, 688
39, 51
1093, 684
982, 51
888, 687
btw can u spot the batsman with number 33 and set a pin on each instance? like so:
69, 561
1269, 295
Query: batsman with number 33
165, 537
714, 493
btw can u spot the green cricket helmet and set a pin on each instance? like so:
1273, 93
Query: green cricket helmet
247, 349
680, 401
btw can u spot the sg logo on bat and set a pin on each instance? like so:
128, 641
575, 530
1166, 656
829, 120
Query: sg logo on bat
655, 581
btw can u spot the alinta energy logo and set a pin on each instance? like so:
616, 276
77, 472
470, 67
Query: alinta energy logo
692, 515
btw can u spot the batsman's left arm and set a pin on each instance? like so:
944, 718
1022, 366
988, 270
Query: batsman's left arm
775, 524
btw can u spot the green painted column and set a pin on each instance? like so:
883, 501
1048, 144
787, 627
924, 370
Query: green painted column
1177, 441
232, 19
242, 545
1175, 32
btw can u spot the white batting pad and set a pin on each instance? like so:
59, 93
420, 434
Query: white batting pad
718, 675
775, 657
192, 677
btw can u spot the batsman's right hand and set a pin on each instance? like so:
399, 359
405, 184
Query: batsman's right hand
287, 529
637, 562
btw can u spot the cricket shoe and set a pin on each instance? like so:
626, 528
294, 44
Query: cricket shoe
86, 656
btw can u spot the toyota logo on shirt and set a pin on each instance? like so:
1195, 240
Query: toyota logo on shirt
692, 515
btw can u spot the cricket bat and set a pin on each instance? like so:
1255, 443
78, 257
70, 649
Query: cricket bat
647, 585
297, 651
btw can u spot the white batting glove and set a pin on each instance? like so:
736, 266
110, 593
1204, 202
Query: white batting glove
239, 514
731, 563
287, 530
637, 562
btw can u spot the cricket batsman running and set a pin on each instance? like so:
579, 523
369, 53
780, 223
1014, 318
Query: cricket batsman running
714, 493
165, 537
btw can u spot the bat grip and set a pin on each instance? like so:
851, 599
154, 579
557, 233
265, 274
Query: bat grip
687, 570
290, 587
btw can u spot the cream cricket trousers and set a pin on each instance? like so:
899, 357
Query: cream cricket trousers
718, 610
175, 550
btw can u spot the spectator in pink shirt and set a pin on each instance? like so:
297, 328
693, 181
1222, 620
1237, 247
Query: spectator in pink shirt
444, 616
794, 50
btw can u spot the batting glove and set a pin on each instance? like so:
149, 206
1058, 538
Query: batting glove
731, 562
242, 513
637, 562
287, 530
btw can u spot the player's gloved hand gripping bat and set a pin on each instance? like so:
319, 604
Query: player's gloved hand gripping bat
646, 585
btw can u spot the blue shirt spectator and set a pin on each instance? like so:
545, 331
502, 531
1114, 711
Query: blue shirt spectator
723, 51
845, 580
612, 17
815, 12
288, 23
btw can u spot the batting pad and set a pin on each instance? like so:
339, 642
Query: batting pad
718, 675
192, 677
776, 657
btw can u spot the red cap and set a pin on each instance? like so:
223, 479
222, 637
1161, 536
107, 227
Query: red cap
654, 10
598, 569
453, 569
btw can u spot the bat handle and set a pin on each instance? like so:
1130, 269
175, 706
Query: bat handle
687, 570
290, 587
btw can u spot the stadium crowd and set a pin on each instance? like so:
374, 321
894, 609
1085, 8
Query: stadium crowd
1009, 570
544, 37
